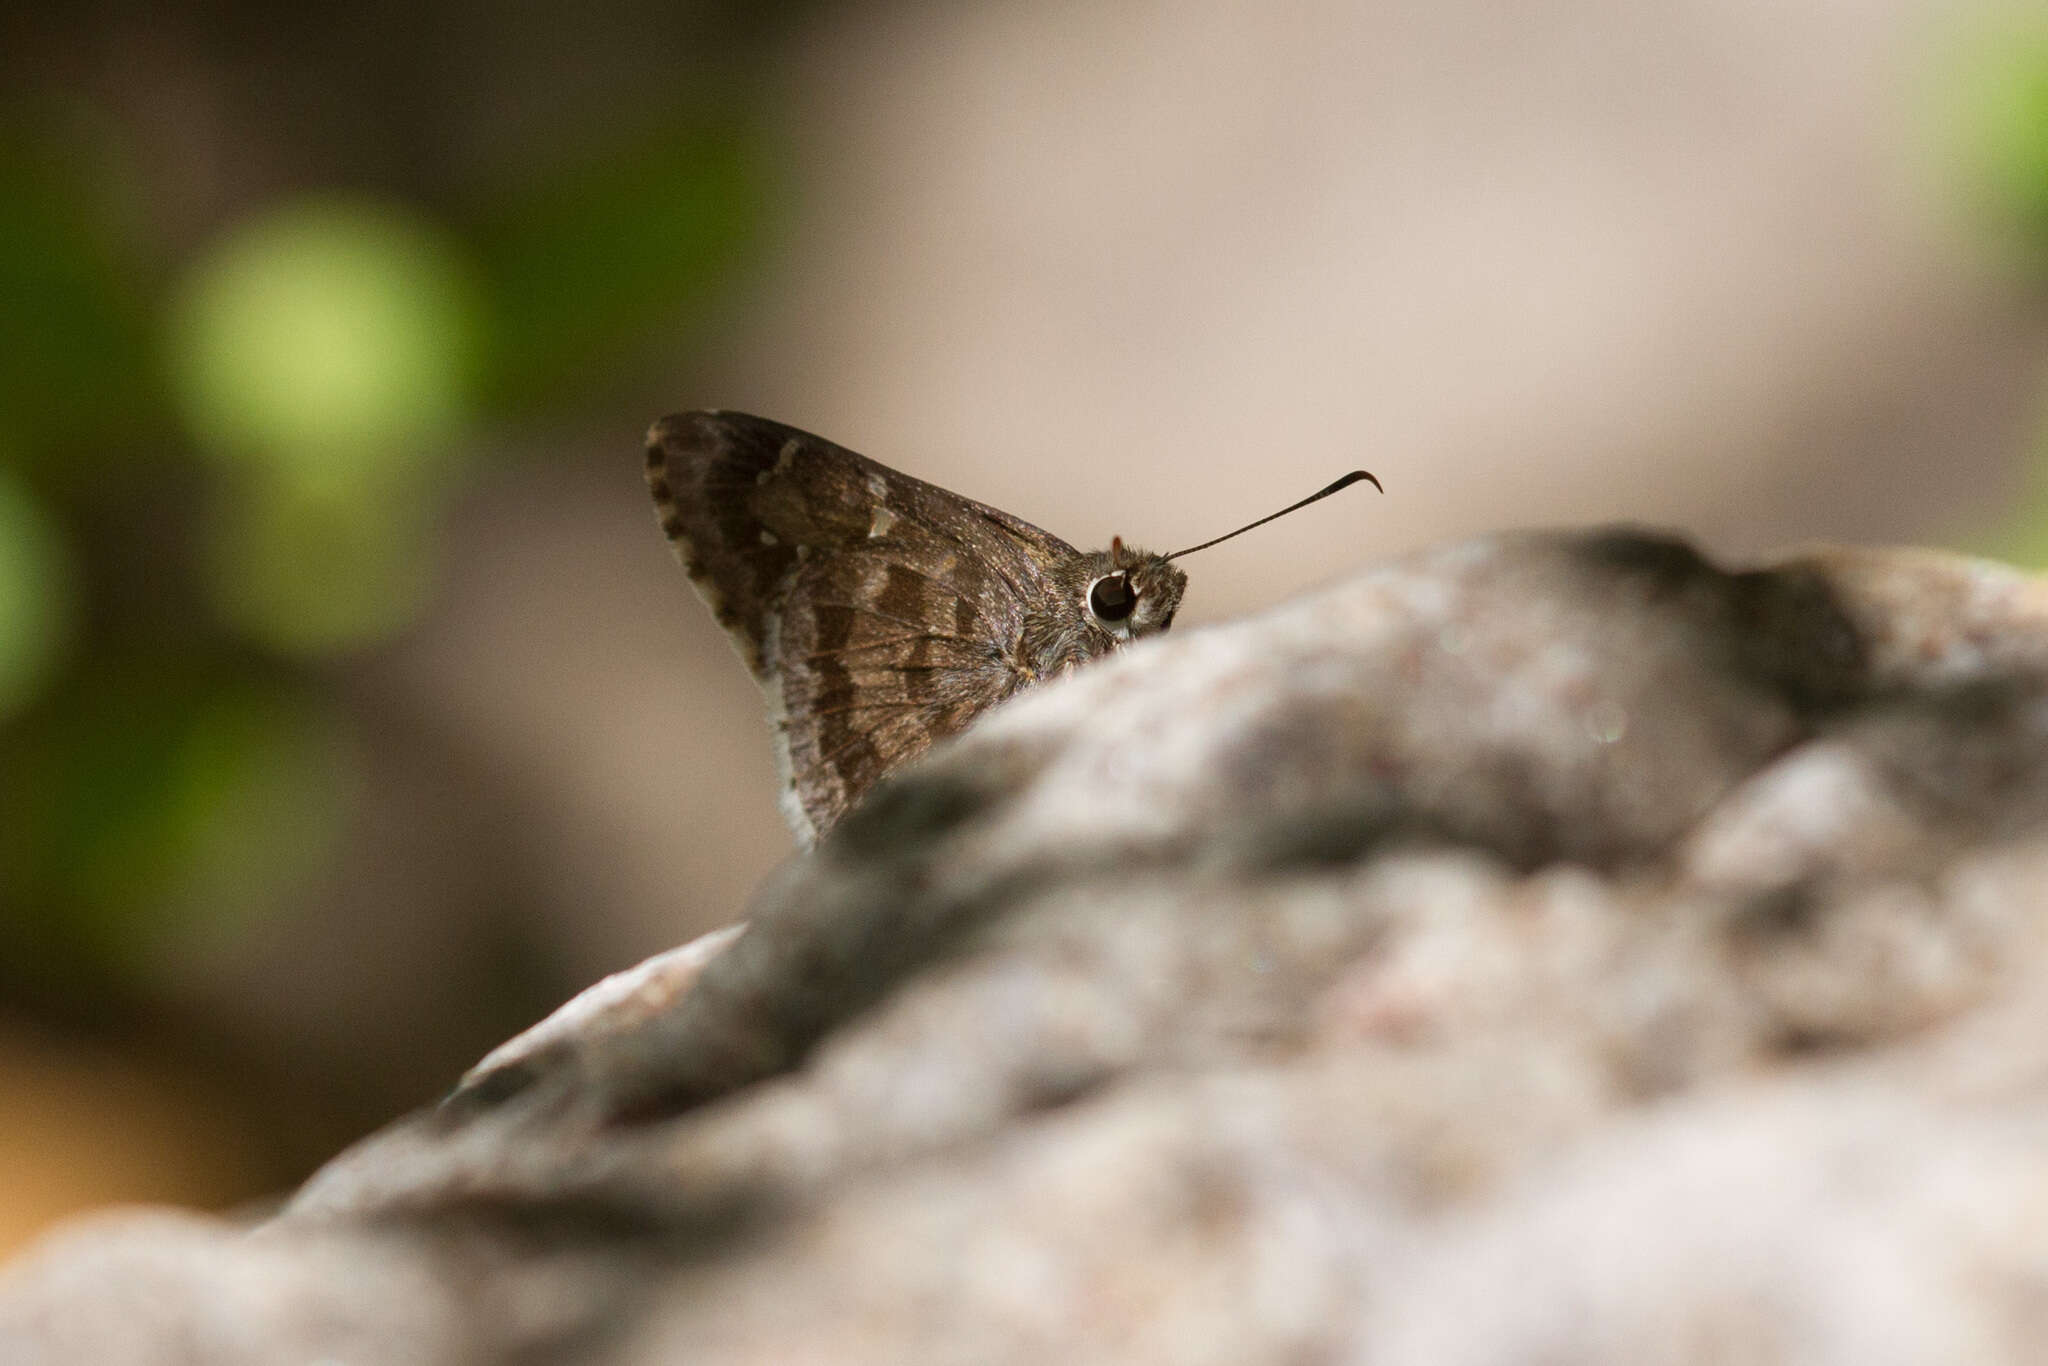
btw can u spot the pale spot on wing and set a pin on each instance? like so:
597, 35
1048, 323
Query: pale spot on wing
880, 523
768, 538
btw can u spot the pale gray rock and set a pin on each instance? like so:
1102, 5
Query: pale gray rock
1551, 948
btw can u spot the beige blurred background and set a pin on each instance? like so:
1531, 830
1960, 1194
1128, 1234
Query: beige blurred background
1765, 272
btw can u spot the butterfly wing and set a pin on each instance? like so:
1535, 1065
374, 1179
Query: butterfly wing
879, 612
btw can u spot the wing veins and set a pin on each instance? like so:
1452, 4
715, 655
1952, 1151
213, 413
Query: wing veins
845, 650
918, 628
852, 707
829, 756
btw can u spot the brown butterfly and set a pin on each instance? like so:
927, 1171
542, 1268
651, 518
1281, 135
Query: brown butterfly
881, 613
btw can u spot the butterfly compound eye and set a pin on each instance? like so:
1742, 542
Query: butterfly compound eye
1110, 598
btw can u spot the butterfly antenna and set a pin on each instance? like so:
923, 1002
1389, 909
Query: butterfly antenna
1346, 482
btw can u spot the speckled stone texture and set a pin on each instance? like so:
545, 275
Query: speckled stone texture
1553, 948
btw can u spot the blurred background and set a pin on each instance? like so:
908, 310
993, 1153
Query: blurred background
352, 711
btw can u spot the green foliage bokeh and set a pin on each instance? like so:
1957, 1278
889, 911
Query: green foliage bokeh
223, 466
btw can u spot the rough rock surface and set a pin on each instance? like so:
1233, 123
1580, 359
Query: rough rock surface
1551, 948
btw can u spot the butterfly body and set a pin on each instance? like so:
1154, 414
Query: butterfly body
880, 613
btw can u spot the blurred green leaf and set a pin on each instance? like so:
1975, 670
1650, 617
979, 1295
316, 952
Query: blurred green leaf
316, 566
336, 336
591, 263
154, 806
73, 359
326, 355
37, 598
1996, 120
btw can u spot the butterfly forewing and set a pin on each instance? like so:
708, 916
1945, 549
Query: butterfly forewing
877, 610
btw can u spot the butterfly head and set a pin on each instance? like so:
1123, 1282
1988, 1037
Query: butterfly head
1130, 592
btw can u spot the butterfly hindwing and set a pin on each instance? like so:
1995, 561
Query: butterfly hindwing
879, 612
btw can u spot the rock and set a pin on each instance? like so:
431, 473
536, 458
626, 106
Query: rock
1548, 948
